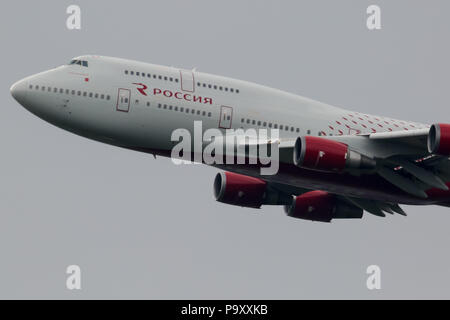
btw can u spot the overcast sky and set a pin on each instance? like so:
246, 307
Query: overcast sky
145, 228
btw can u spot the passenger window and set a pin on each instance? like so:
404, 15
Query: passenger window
270, 125
209, 114
73, 92
170, 107
132, 72
43, 88
96, 95
90, 94
176, 108
187, 110
204, 113
297, 130
84, 94
181, 109
137, 73
264, 124
67, 91
165, 78
237, 90
242, 120
79, 93
198, 112
102, 96
204, 85
170, 79
215, 87
275, 126
148, 104
55, 90
61, 90
259, 123
154, 76
126, 71
193, 111
176, 79
231, 89
49, 89
248, 121
159, 77
85, 64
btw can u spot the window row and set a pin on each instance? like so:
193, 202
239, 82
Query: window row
216, 87
176, 108
154, 76
183, 109
72, 92
174, 79
271, 125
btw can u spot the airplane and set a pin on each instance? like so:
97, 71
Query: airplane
333, 163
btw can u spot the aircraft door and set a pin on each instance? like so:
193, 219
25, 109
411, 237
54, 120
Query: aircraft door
123, 100
226, 117
187, 80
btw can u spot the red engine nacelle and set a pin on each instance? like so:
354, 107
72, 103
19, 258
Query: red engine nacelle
321, 206
240, 190
439, 139
328, 155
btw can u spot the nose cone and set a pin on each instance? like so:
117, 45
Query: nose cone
19, 91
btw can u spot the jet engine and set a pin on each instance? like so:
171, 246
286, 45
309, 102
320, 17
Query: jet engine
328, 155
439, 139
321, 206
245, 191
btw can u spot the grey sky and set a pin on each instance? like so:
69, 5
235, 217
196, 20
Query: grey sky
144, 228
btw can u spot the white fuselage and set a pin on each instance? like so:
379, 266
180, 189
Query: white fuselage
138, 105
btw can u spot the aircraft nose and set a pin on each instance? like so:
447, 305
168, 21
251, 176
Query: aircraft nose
19, 90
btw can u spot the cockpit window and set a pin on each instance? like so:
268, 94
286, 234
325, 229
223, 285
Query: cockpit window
83, 63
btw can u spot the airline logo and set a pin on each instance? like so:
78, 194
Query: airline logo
145, 91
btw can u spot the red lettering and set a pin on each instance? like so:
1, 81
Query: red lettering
197, 98
168, 93
186, 96
207, 100
178, 95
156, 91
142, 88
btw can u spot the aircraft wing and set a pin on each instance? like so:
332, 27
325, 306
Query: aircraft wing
412, 160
